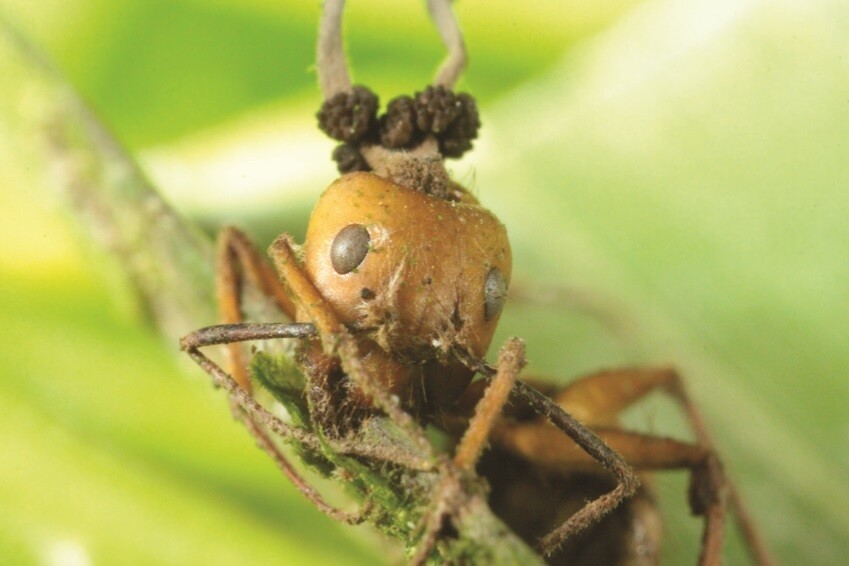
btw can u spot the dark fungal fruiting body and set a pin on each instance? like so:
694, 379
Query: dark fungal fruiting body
437, 112
349, 159
457, 137
436, 109
398, 125
349, 116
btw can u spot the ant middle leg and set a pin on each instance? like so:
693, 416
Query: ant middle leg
603, 395
589, 443
448, 496
543, 445
597, 400
237, 260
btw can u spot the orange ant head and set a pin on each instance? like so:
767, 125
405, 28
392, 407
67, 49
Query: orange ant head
422, 272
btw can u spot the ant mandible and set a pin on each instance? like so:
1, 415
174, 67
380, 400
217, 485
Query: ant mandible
396, 294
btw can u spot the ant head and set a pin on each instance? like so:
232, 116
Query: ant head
418, 269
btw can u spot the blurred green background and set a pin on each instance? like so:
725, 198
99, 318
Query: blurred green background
680, 166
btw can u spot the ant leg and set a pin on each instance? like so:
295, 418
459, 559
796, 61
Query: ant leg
539, 443
627, 480
336, 340
243, 332
237, 259
249, 411
598, 398
511, 360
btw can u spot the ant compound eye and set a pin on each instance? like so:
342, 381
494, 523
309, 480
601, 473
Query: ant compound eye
494, 293
349, 248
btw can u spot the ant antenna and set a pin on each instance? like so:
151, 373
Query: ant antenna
333, 74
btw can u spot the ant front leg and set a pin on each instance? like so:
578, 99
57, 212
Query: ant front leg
511, 360
236, 261
247, 410
597, 400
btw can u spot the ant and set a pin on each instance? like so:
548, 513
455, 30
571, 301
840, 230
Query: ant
395, 296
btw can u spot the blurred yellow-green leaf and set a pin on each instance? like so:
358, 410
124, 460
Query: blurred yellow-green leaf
681, 163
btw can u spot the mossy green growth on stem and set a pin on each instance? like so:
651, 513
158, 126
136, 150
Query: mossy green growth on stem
395, 498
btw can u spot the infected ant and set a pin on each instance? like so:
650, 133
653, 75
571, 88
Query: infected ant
396, 294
